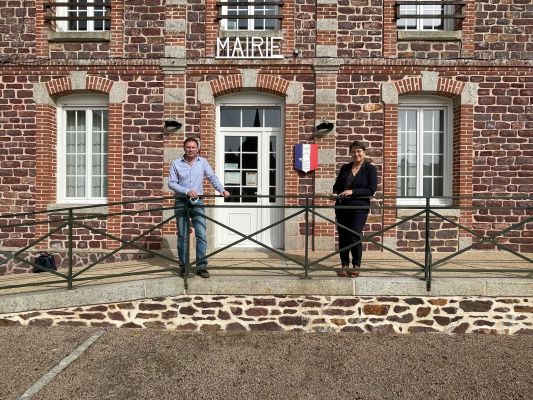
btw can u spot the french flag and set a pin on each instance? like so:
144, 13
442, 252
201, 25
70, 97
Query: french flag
306, 157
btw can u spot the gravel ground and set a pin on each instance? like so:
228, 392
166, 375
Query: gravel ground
150, 364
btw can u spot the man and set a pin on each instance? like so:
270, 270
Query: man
186, 179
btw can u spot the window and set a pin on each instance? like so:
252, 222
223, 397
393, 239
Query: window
417, 15
83, 16
424, 150
82, 149
251, 15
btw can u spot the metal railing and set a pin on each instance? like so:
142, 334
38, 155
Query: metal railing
303, 207
450, 10
79, 12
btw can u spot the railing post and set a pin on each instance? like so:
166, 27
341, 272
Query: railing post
427, 249
187, 254
70, 245
306, 239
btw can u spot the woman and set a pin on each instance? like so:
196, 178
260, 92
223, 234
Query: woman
356, 182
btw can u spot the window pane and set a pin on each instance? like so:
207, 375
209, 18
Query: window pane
272, 144
232, 143
272, 178
438, 165
71, 164
249, 161
251, 117
272, 117
234, 193
427, 189
97, 164
97, 187
231, 161
428, 166
272, 161
230, 117
71, 120
80, 186
71, 186
438, 187
249, 144
251, 192
430, 9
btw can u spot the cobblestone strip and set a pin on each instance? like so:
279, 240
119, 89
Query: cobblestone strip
239, 313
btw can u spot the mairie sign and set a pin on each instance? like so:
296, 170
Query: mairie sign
249, 47
306, 157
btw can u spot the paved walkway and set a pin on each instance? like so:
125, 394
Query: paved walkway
262, 273
60, 363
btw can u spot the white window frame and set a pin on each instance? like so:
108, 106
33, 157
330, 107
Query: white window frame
421, 103
250, 22
63, 26
78, 102
447, 24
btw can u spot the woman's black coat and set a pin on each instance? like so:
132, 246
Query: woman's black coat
363, 186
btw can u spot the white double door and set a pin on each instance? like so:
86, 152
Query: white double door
250, 164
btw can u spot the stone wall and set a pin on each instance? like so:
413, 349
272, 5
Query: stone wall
503, 29
389, 314
17, 24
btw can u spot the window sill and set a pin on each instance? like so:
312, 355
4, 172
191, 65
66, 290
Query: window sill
434, 36
63, 208
445, 212
271, 33
69, 37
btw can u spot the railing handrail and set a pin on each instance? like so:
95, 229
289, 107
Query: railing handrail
307, 209
317, 196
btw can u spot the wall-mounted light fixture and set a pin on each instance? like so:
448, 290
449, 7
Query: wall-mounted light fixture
324, 127
172, 125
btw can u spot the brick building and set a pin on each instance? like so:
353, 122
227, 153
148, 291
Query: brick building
441, 92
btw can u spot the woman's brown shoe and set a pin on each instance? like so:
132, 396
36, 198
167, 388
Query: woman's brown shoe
342, 273
354, 272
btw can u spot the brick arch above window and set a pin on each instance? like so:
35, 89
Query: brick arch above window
78, 81
429, 83
251, 79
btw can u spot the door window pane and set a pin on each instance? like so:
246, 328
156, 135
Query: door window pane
249, 144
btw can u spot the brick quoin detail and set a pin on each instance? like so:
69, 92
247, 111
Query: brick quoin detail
114, 184
390, 165
272, 84
45, 166
227, 84
41, 30
59, 86
117, 30
468, 29
411, 85
98, 84
389, 29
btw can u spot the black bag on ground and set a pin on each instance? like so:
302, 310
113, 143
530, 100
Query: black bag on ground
46, 260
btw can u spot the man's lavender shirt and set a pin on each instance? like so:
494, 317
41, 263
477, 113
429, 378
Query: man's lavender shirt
183, 177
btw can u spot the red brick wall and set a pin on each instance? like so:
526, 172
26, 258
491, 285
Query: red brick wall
492, 140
